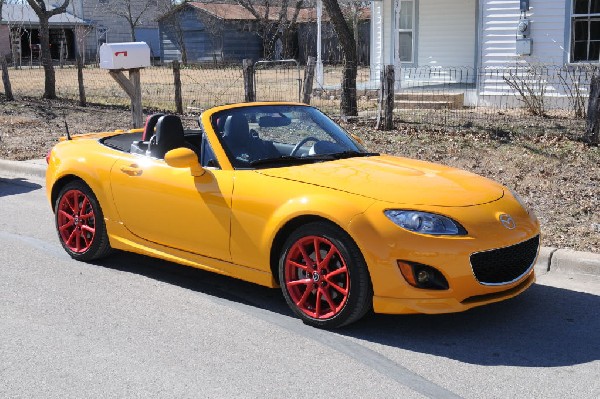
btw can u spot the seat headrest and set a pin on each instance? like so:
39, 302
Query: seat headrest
236, 128
150, 125
169, 135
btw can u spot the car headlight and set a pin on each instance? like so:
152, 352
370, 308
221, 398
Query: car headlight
425, 223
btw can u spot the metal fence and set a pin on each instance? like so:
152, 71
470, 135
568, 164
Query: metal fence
460, 96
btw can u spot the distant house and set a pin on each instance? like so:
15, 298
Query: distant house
112, 28
483, 35
94, 21
19, 34
227, 32
208, 32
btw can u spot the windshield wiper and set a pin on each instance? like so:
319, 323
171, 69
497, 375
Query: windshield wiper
290, 160
352, 153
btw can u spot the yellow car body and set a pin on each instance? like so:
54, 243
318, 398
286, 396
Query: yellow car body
234, 221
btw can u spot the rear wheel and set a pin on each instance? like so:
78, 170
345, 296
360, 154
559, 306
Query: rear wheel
80, 222
324, 277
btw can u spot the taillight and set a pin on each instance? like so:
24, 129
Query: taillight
48, 156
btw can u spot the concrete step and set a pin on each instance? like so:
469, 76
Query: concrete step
457, 99
429, 104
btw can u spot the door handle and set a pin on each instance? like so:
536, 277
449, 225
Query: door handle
132, 170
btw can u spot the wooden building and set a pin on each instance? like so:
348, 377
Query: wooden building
216, 32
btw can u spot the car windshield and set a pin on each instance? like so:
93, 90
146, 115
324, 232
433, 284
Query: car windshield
281, 135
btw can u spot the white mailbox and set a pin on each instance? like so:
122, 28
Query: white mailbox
124, 55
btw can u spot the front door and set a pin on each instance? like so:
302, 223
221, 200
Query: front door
170, 207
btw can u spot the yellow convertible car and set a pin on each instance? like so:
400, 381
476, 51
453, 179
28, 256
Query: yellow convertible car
278, 194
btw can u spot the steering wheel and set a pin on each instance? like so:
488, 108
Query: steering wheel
301, 143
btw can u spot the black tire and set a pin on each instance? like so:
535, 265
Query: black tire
330, 293
76, 214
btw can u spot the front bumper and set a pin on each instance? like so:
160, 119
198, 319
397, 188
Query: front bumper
383, 243
447, 305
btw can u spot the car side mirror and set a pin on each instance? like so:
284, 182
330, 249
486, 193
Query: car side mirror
184, 158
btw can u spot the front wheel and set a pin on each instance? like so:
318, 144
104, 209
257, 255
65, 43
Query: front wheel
324, 277
80, 223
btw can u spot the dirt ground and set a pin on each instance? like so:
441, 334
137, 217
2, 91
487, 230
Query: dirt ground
557, 176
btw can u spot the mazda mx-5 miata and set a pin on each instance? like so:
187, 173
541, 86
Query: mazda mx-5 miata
280, 195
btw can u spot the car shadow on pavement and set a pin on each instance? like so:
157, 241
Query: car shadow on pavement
543, 327
18, 185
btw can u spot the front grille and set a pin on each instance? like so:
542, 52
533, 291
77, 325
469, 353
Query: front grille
505, 265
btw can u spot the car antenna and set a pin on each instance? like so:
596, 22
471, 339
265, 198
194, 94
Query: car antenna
66, 126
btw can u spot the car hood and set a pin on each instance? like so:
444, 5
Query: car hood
395, 180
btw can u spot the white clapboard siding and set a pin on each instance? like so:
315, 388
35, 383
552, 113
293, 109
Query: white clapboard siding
499, 19
447, 32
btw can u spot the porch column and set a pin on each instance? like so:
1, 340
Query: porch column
377, 39
319, 65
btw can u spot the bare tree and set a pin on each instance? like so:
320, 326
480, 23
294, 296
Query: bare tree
348, 105
40, 8
176, 33
133, 11
276, 19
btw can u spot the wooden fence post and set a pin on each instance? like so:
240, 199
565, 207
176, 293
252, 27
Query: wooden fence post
249, 89
385, 117
592, 131
82, 99
177, 83
309, 75
133, 88
6, 79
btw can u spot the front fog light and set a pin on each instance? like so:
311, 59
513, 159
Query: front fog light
422, 276
425, 223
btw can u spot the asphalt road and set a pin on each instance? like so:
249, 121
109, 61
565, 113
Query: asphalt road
131, 326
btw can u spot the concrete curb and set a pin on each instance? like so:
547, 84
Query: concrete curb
549, 259
32, 167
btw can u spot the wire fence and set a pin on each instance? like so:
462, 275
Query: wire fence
460, 96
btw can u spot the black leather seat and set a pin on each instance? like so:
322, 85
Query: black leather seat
151, 121
168, 136
240, 142
236, 134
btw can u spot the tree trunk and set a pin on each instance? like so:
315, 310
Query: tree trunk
592, 131
348, 105
82, 99
132, 31
6, 79
177, 84
50, 77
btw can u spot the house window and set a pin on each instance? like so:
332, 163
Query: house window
405, 22
585, 31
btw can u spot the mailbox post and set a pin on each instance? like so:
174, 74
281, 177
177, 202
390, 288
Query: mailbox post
117, 57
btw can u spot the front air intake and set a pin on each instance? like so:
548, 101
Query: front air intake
505, 265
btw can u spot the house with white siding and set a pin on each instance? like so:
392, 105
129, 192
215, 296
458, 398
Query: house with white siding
482, 39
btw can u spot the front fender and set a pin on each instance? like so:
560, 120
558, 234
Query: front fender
263, 205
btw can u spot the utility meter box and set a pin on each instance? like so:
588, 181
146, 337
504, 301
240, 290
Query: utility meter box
124, 55
524, 46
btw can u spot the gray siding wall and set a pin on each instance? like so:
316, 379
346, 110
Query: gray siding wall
207, 38
102, 15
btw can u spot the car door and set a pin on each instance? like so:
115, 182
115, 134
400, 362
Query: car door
168, 206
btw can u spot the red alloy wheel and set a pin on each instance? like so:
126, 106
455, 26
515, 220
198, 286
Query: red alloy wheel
316, 277
76, 221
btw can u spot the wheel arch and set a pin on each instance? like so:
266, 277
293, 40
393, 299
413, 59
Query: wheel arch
287, 229
60, 183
